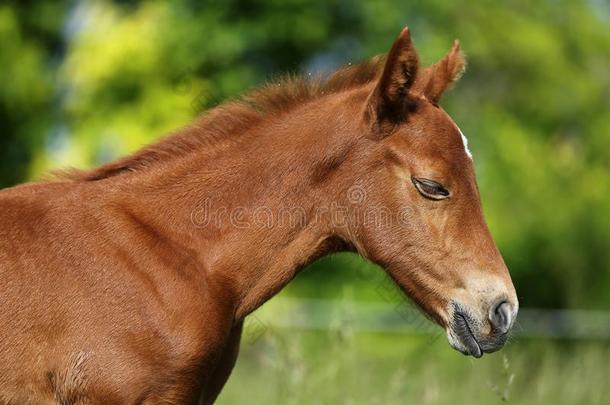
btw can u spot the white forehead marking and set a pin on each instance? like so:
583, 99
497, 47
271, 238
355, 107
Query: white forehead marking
465, 142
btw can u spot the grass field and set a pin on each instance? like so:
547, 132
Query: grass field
291, 366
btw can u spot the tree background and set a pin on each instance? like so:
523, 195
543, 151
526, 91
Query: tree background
83, 82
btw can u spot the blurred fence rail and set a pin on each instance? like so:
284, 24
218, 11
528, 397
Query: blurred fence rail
319, 314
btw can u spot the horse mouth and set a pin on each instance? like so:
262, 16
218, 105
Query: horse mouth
461, 328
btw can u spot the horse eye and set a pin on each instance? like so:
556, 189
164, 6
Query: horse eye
430, 189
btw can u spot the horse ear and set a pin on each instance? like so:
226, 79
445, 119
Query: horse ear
444, 73
390, 101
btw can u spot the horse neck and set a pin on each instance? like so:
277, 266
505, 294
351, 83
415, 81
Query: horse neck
255, 212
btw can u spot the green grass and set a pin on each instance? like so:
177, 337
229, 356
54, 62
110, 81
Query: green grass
279, 366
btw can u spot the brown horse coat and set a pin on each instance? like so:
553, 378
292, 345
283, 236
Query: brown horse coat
129, 283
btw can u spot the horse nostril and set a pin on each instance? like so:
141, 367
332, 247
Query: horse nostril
501, 316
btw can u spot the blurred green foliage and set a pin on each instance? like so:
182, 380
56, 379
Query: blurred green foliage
342, 367
85, 81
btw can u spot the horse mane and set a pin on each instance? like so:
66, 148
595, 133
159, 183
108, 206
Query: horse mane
234, 117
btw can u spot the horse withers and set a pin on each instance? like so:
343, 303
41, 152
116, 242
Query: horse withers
129, 283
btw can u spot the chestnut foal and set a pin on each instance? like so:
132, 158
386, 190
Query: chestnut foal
129, 283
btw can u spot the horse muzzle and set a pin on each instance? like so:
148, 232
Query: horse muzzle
474, 335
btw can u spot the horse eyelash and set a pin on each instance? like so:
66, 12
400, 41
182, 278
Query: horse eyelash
435, 191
